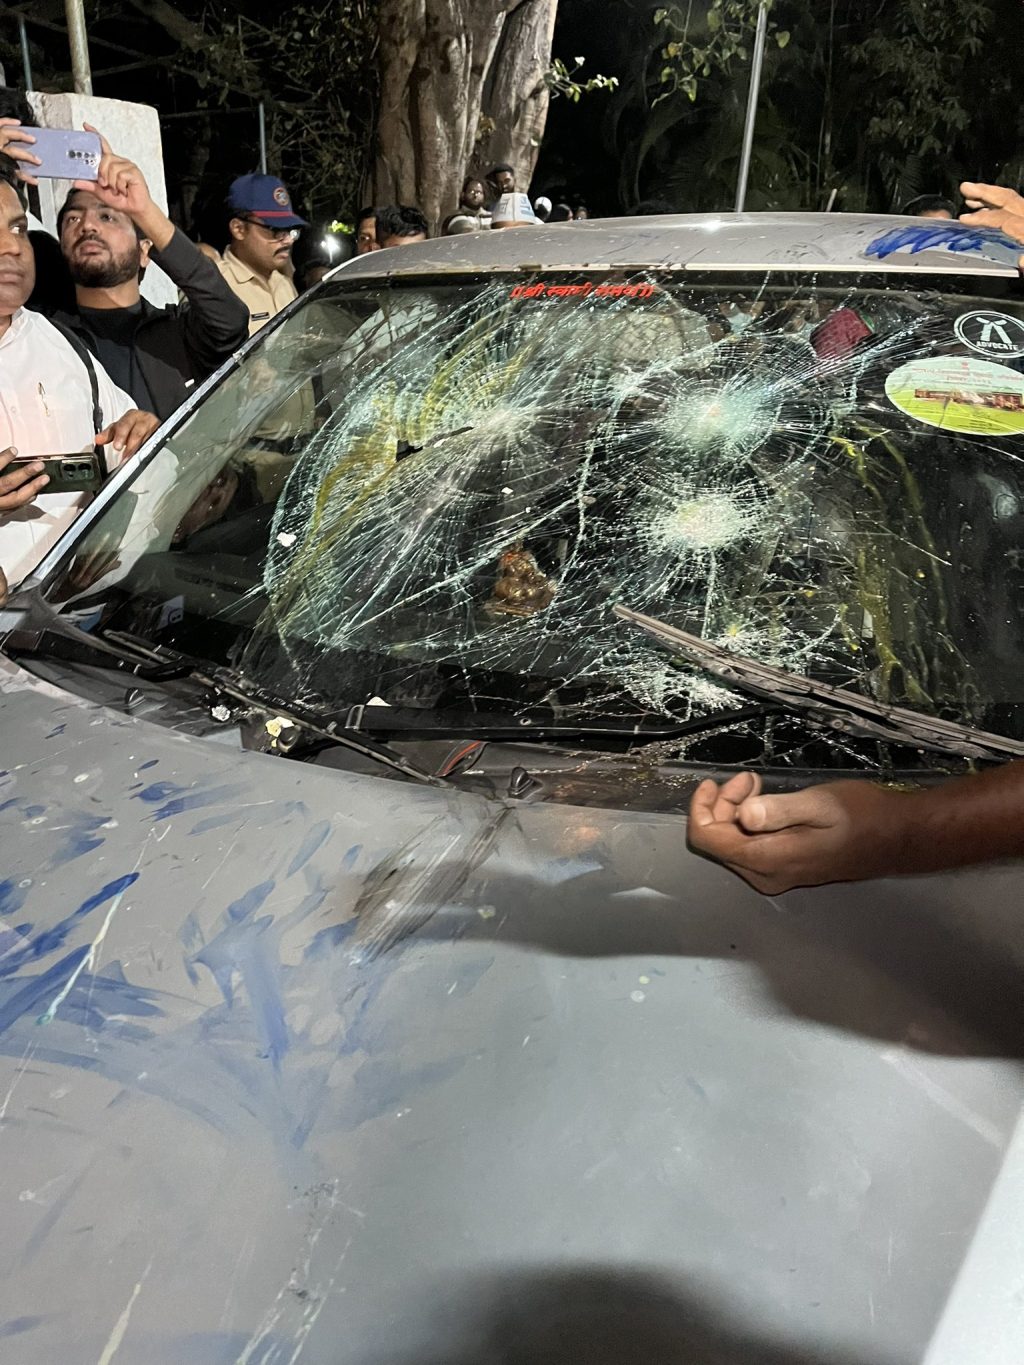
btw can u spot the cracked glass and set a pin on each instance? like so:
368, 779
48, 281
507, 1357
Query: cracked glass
432, 494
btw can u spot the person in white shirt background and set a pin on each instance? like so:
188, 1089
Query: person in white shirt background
46, 406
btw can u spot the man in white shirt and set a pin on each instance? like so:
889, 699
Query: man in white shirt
47, 405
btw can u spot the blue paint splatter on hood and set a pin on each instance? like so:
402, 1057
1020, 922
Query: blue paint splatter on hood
29, 997
15, 1326
161, 791
313, 840
12, 897
252, 900
249, 948
80, 837
177, 799
48, 940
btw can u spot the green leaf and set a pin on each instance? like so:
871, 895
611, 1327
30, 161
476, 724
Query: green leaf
714, 20
782, 38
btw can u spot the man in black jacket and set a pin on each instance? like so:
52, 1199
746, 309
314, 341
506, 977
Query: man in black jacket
109, 231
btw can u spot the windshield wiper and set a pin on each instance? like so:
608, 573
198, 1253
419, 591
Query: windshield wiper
156, 663
837, 709
36, 621
228, 682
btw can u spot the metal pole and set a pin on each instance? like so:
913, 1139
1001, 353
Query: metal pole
263, 139
79, 39
26, 61
755, 87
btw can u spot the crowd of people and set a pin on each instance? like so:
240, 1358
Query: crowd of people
89, 365
71, 306
485, 202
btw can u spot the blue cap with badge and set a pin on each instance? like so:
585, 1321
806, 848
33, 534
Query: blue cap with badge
265, 198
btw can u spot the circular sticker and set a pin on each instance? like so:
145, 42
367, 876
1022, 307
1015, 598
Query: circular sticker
993, 334
281, 196
957, 393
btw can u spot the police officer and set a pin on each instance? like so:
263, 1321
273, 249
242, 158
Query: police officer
262, 226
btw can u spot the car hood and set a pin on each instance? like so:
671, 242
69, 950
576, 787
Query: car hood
303, 1066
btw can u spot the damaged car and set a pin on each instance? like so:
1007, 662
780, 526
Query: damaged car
360, 1000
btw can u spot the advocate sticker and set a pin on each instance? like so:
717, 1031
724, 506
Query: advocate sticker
993, 334
958, 393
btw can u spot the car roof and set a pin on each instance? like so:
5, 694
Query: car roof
706, 241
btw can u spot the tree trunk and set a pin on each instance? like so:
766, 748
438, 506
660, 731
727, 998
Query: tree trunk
438, 61
516, 95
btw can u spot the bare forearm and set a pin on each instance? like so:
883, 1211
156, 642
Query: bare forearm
851, 831
972, 819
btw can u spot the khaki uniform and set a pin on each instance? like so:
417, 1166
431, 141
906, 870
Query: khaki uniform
263, 300
293, 418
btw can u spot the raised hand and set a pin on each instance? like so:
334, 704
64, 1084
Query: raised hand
119, 183
994, 206
16, 142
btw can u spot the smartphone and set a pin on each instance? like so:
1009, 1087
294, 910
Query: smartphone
65, 154
81, 473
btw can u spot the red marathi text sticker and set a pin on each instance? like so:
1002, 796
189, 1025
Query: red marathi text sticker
587, 290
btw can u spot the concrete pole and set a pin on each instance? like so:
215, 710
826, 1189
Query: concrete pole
755, 90
263, 138
79, 40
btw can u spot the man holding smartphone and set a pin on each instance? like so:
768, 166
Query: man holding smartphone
110, 228
54, 400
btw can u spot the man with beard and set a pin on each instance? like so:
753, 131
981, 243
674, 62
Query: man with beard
501, 180
262, 225
54, 399
110, 229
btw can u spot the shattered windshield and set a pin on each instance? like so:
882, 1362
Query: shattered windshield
433, 494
